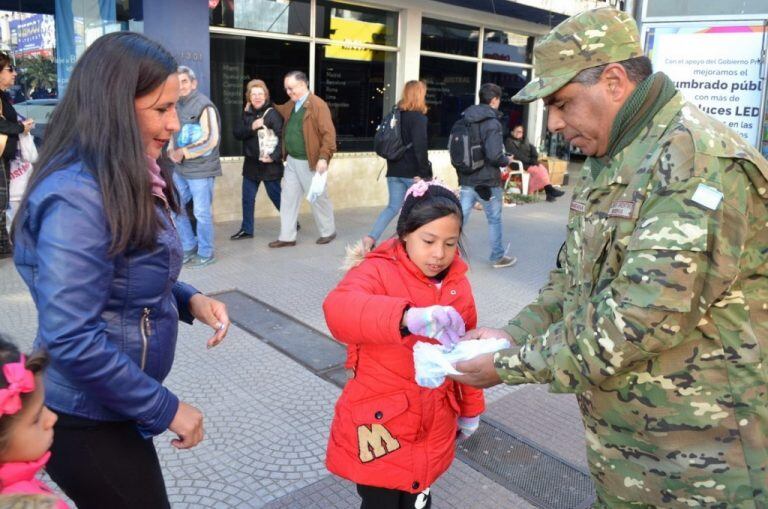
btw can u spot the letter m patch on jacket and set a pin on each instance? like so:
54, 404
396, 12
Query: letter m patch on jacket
375, 442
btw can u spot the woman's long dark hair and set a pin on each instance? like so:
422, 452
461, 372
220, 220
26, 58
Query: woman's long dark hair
95, 123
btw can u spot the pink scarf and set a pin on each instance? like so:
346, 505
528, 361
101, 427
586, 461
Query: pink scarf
156, 180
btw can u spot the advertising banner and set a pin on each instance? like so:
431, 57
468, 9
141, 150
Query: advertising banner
717, 67
34, 35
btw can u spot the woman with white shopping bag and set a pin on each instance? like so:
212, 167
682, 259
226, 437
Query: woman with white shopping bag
10, 129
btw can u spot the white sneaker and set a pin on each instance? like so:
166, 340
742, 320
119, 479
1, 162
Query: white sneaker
504, 261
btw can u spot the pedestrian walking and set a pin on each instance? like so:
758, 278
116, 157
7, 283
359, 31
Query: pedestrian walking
390, 436
414, 163
95, 243
309, 142
260, 130
655, 317
483, 184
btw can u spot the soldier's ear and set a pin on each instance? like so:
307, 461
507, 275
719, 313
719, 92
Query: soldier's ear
618, 82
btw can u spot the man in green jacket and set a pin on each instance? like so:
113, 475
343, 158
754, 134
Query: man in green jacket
657, 315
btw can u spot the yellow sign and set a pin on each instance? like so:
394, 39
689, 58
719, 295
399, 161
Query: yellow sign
353, 34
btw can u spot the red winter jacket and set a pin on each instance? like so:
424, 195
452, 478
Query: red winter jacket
387, 431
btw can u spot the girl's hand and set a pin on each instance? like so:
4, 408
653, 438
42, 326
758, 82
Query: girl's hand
212, 313
467, 427
442, 323
257, 124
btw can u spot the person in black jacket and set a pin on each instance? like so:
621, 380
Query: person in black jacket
262, 150
525, 152
11, 127
484, 185
413, 165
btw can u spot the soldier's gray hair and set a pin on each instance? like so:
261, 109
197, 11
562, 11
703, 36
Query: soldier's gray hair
637, 68
183, 69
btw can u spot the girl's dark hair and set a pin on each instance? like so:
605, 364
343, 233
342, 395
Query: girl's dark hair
436, 202
35, 362
95, 123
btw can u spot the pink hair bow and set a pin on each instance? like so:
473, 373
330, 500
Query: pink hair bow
20, 380
419, 188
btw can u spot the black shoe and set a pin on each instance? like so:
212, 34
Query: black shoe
241, 234
551, 197
553, 192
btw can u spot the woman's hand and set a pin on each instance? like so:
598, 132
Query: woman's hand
257, 124
28, 124
212, 313
266, 159
188, 425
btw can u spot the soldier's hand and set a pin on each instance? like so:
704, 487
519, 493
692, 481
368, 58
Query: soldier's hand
486, 333
478, 372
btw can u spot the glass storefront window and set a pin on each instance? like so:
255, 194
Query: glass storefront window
359, 86
44, 40
354, 24
450, 90
507, 46
234, 61
278, 16
511, 80
445, 37
698, 8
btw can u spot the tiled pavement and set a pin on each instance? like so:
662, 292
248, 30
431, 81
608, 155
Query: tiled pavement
267, 417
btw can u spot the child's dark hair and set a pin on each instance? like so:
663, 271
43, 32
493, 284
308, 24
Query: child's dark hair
436, 202
35, 362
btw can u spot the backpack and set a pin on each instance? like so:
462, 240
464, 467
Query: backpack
465, 147
388, 140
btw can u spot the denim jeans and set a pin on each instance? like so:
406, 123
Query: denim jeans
200, 191
250, 188
397, 186
492, 209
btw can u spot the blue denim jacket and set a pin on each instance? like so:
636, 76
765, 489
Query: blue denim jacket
109, 324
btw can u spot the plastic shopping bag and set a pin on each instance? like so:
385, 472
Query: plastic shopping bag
317, 186
27, 148
434, 362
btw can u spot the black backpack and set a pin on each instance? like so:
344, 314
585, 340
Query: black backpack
388, 140
465, 147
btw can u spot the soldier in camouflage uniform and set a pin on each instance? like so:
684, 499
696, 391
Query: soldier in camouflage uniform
657, 317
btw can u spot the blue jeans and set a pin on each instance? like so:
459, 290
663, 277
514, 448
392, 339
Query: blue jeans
200, 191
250, 188
397, 186
492, 209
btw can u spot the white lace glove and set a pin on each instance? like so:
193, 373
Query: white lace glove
467, 427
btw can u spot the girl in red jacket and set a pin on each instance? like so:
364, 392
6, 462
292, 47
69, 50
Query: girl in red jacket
389, 435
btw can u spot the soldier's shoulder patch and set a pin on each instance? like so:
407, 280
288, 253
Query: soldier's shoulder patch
578, 206
707, 196
623, 209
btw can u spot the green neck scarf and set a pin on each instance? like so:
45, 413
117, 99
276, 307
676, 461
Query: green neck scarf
645, 101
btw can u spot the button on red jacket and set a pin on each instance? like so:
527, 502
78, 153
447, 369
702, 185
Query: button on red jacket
387, 431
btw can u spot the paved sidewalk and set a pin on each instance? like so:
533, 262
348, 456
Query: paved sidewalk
267, 416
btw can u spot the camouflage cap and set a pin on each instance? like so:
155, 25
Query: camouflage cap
589, 39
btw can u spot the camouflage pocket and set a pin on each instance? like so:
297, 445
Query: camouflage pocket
586, 248
663, 257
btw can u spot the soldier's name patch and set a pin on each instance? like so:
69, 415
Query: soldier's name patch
707, 196
578, 206
623, 209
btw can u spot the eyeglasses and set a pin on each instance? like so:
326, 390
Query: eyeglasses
9, 68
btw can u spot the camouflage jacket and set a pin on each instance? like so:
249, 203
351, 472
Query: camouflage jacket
658, 318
